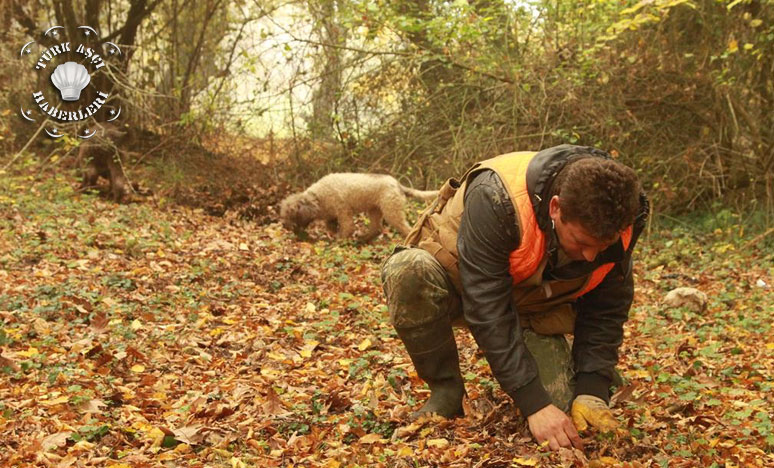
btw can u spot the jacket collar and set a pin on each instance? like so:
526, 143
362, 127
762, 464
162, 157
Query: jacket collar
541, 173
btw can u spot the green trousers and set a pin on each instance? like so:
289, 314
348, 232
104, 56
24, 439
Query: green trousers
420, 294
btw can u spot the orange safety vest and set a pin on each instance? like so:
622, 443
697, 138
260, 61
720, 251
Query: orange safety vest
436, 230
524, 261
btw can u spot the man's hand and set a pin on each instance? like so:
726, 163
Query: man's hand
588, 409
552, 425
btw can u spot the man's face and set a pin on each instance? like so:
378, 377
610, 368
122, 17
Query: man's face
574, 239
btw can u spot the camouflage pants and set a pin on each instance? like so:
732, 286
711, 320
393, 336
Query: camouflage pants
420, 294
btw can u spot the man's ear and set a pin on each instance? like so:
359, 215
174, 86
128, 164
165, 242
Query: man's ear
554, 210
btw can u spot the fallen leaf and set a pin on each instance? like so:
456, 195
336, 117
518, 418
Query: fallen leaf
525, 461
7, 361
371, 439
604, 461
55, 401
365, 344
92, 406
405, 431
405, 451
31, 351
189, 434
441, 443
99, 323
273, 406
55, 440
309, 346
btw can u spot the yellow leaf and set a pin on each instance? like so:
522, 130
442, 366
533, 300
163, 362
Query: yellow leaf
29, 353
441, 443
769, 345
157, 436
371, 438
405, 451
56, 401
639, 373
237, 463
755, 23
748, 46
603, 462
733, 46
81, 446
365, 344
137, 368
309, 346
525, 461
136, 325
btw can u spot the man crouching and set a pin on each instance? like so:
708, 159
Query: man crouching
525, 248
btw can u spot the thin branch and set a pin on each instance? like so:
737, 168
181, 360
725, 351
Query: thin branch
26, 145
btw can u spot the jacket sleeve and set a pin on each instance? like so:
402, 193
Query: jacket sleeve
488, 233
602, 313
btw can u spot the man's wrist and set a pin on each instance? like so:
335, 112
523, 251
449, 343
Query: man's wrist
591, 383
531, 398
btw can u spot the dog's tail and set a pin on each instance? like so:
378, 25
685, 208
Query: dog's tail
425, 195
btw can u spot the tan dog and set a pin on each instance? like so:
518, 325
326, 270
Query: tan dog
338, 197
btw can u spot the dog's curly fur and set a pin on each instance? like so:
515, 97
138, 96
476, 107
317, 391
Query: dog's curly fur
337, 197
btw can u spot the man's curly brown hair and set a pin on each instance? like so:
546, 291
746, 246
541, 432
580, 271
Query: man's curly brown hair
601, 195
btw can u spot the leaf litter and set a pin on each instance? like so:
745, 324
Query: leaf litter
155, 335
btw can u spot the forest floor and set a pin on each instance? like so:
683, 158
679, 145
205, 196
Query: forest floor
150, 334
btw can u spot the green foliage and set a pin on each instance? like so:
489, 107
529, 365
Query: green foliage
90, 432
677, 88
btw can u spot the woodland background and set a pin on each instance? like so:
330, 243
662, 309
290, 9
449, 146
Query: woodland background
186, 327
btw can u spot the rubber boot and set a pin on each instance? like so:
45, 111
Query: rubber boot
434, 353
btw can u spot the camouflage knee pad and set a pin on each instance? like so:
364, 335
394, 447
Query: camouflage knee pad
554, 361
417, 288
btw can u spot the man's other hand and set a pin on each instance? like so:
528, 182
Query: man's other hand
588, 409
551, 425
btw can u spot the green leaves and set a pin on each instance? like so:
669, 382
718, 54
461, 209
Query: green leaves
90, 433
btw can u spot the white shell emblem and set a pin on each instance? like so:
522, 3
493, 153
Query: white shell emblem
70, 78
